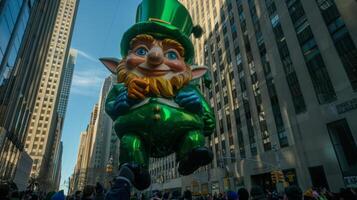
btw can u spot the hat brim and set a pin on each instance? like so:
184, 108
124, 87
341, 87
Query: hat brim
159, 31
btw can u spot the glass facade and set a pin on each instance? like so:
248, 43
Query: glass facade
13, 20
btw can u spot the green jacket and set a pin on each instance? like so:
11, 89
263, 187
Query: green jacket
160, 118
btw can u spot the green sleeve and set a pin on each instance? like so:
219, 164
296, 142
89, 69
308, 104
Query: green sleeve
208, 114
116, 90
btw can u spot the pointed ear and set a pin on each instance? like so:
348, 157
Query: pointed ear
111, 64
198, 71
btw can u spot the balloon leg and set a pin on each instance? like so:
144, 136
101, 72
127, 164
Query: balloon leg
192, 153
132, 150
193, 140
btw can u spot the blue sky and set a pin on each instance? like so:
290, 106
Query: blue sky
97, 33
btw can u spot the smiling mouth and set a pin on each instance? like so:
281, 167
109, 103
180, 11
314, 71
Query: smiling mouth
153, 72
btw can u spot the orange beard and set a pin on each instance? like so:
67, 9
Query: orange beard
158, 86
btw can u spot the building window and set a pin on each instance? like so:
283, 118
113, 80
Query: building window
318, 73
344, 145
321, 80
341, 38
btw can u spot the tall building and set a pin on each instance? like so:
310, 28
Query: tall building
42, 137
57, 169
98, 153
283, 90
67, 82
100, 156
25, 29
56, 157
83, 172
80, 170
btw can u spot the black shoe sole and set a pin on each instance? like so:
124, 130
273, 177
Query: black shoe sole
197, 158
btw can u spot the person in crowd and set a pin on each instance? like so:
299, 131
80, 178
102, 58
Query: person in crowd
232, 195
50, 195
58, 196
354, 192
175, 195
99, 192
88, 192
308, 194
215, 196
293, 193
187, 195
221, 196
346, 194
243, 194
4, 191
166, 196
157, 195
121, 185
257, 193
77, 195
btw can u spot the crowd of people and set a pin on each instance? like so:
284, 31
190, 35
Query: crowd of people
121, 190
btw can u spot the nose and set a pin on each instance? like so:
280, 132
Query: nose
155, 56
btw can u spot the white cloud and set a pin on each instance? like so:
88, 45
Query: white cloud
88, 82
87, 56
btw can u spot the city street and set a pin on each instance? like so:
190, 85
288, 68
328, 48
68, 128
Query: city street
178, 99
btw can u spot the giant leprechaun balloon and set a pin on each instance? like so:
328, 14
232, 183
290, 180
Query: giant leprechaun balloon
156, 108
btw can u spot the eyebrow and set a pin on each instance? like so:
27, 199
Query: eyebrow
169, 43
142, 38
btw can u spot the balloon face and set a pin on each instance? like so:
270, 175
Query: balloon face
149, 57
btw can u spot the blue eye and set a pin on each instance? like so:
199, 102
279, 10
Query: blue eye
141, 51
171, 55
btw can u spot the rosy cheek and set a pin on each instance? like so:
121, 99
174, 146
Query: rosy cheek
176, 65
133, 61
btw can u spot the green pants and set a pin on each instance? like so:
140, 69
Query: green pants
134, 150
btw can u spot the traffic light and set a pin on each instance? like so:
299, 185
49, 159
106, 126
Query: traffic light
274, 177
280, 176
277, 176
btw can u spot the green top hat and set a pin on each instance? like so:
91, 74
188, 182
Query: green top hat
163, 19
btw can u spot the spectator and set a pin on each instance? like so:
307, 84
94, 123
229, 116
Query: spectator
49, 195
175, 195
77, 195
58, 196
187, 195
156, 195
293, 193
4, 191
257, 193
99, 192
88, 192
308, 195
166, 196
243, 194
347, 194
232, 195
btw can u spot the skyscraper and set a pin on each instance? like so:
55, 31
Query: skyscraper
67, 82
83, 173
101, 138
80, 169
283, 89
56, 155
99, 146
25, 29
42, 137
